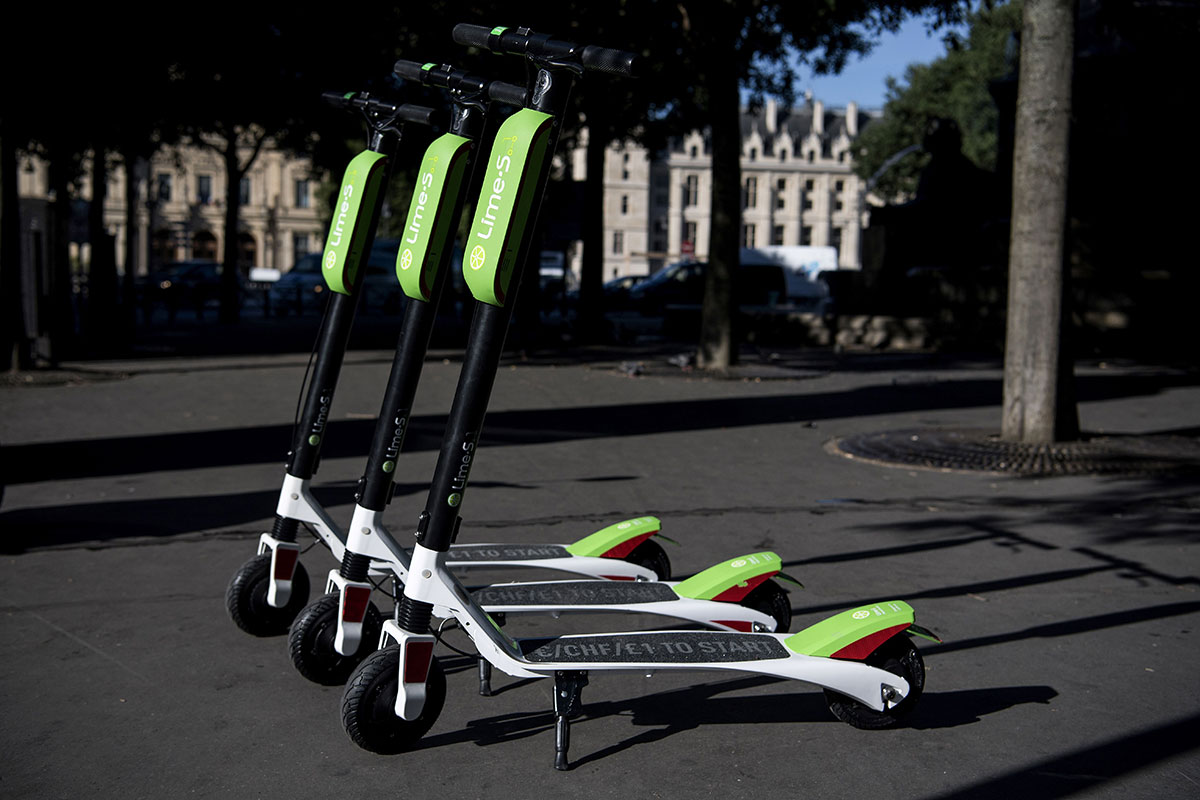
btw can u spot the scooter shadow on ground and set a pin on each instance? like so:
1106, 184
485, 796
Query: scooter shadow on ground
688, 708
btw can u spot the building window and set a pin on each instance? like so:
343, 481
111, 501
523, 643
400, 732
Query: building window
750, 193
783, 155
753, 153
618, 245
781, 193
837, 204
301, 244
302, 194
811, 155
164, 188
691, 191
808, 185
748, 235
839, 186
204, 189
244, 192
694, 152
624, 204
777, 235
842, 157
806, 234
808, 204
835, 238
689, 234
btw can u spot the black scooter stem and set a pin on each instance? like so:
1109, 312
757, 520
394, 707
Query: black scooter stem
438, 524
334, 335
469, 120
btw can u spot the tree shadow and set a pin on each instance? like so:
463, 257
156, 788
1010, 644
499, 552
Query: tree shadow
32, 463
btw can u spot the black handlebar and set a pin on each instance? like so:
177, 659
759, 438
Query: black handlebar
444, 76
407, 112
523, 42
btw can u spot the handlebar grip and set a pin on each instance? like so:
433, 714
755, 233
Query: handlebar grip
507, 93
421, 115
337, 98
472, 35
608, 60
409, 70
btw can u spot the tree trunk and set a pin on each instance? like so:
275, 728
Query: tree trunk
132, 249
718, 344
14, 347
591, 272
102, 266
230, 292
1033, 349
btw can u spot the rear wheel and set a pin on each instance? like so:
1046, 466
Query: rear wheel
246, 598
649, 554
770, 598
898, 656
369, 704
311, 642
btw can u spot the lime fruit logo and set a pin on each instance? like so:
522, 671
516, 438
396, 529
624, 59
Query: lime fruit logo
478, 256
330, 259
388, 466
314, 440
406, 259
454, 500
861, 614
741, 562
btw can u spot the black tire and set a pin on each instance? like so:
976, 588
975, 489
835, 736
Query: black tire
898, 656
368, 704
246, 598
771, 599
310, 642
649, 554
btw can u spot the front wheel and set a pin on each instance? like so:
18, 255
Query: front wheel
649, 554
770, 598
246, 598
898, 656
311, 642
369, 704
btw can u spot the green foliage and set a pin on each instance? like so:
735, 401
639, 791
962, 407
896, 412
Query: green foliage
955, 86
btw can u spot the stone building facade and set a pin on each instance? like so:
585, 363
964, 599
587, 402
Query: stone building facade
797, 189
181, 209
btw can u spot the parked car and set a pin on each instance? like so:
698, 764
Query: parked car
680, 286
192, 284
302, 289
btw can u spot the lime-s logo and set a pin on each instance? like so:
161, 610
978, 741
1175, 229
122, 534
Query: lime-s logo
478, 257
861, 614
406, 259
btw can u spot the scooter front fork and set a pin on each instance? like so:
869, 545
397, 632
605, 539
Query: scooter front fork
284, 557
353, 599
416, 656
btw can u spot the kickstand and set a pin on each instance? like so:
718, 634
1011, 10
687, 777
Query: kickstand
485, 678
568, 698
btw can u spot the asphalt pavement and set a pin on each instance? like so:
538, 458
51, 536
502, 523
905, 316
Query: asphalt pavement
1068, 606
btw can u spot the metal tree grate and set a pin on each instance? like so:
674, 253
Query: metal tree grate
974, 450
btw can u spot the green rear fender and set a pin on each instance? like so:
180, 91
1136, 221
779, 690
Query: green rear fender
430, 225
617, 540
352, 213
731, 580
856, 633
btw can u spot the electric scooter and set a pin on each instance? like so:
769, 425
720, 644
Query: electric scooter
870, 670
331, 635
268, 591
